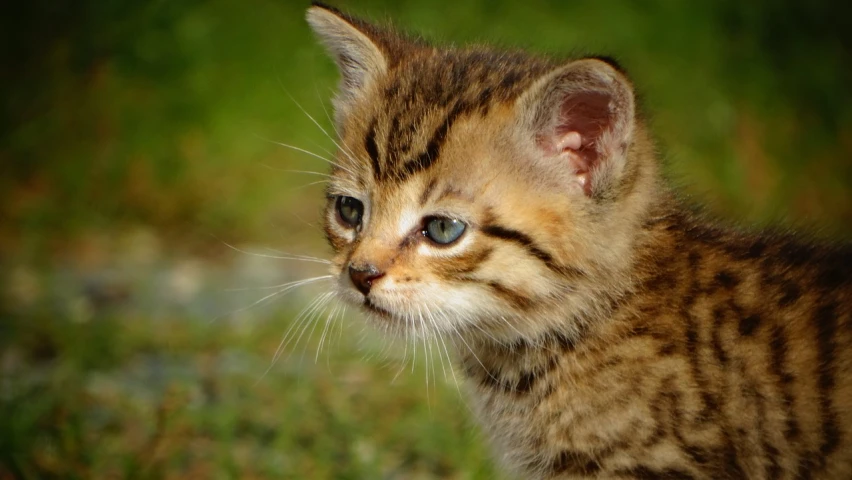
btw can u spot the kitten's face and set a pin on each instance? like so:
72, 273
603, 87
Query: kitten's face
469, 184
444, 248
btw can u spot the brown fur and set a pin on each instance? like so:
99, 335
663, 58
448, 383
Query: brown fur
605, 332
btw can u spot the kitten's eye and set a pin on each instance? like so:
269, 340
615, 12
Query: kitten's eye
350, 211
442, 230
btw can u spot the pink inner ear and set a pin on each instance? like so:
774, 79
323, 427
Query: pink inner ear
588, 114
570, 140
580, 132
583, 118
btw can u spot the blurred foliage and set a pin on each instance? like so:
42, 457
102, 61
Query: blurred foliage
115, 398
163, 113
161, 117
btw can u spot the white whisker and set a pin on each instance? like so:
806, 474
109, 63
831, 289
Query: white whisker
290, 286
328, 322
294, 283
509, 324
300, 318
446, 351
304, 258
348, 154
288, 170
437, 330
318, 182
461, 337
310, 319
327, 114
308, 152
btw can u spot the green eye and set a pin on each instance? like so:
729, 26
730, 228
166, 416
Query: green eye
442, 230
350, 211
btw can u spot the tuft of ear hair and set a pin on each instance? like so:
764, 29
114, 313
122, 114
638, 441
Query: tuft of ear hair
583, 114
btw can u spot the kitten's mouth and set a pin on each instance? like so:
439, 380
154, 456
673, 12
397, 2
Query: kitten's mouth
377, 309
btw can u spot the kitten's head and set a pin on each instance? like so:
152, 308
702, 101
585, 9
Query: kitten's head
478, 191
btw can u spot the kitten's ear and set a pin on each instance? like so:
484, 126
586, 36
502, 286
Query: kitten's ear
362, 51
583, 115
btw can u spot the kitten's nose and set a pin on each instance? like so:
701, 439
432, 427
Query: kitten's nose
364, 276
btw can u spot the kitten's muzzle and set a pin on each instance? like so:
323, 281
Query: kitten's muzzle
364, 276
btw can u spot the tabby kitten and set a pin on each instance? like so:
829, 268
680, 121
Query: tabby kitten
514, 204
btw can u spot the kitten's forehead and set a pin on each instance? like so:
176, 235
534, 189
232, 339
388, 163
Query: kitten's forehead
405, 122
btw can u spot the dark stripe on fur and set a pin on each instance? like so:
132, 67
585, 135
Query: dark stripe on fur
428, 157
718, 347
522, 385
503, 233
826, 324
647, 473
768, 451
572, 462
523, 240
516, 299
749, 324
373, 150
465, 264
427, 192
778, 366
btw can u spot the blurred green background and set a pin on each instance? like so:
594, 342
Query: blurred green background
137, 138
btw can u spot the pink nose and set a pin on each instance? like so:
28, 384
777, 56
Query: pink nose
364, 276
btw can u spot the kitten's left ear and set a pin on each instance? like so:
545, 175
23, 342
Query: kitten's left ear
583, 115
363, 52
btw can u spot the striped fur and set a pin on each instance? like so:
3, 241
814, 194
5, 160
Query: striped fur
604, 331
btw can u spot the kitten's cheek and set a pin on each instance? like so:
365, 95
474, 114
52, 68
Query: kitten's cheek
384, 289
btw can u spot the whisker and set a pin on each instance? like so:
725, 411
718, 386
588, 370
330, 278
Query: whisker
282, 256
461, 337
302, 150
327, 115
300, 318
283, 285
454, 330
431, 320
351, 157
486, 333
406, 341
288, 288
289, 170
509, 324
297, 255
340, 323
325, 329
446, 351
314, 321
308, 152
302, 220
427, 350
310, 318
318, 182
413, 345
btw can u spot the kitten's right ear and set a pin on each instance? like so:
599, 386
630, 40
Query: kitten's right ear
582, 116
361, 50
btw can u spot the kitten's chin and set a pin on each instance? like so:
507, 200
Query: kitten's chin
392, 323
373, 309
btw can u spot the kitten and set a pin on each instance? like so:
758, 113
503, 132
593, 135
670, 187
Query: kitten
515, 204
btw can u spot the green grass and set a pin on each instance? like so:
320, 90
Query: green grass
135, 138
118, 397
162, 115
